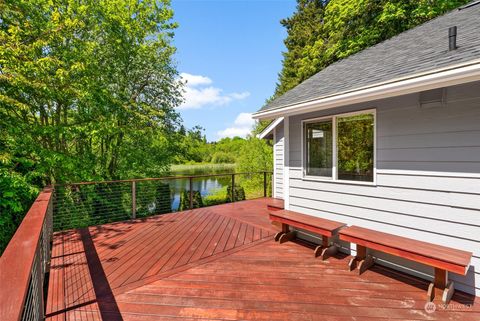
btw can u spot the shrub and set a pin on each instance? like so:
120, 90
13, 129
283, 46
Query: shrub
185, 200
239, 193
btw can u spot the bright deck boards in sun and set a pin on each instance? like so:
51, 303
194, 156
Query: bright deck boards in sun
220, 263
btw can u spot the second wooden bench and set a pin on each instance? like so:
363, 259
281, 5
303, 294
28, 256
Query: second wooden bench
317, 225
443, 259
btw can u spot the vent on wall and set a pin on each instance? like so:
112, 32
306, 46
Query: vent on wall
433, 98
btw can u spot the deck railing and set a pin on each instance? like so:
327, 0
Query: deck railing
25, 262
84, 204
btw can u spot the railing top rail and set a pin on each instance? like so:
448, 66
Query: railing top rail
17, 259
158, 178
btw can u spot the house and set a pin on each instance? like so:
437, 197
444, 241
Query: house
389, 139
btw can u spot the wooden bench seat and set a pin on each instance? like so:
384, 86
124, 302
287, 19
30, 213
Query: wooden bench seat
324, 227
443, 259
275, 204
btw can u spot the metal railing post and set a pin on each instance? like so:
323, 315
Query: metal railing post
134, 200
191, 191
233, 188
264, 184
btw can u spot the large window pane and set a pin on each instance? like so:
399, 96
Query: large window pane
355, 147
318, 138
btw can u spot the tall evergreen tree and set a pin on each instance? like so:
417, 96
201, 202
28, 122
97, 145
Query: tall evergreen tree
322, 32
305, 29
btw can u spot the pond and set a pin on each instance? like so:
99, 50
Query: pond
205, 185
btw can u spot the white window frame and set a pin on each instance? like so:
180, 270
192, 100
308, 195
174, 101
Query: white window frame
334, 177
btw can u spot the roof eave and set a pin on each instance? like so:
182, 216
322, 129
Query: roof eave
266, 132
438, 78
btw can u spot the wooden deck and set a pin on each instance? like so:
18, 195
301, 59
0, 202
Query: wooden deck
220, 263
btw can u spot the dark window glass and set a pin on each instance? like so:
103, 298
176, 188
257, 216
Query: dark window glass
318, 138
355, 139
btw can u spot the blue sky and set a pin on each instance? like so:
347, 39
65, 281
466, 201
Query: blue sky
230, 53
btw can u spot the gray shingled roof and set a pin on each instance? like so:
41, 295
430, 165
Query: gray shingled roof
420, 49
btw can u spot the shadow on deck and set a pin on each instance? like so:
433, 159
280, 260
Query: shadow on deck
221, 263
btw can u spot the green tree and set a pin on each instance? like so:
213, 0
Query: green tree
304, 44
87, 92
322, 32
256, 156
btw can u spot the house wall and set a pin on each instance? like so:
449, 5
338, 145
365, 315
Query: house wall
428, 178
278, 153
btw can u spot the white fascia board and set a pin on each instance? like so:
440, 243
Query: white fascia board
451, 76
270, 128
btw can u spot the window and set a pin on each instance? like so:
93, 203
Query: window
319, 148
341, 147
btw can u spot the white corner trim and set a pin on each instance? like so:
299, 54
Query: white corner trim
274, 183
286, 162
270, 128
443, 77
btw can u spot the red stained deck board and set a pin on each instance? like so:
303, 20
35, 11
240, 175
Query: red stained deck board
220, 279
451, 259
156, 247
182, 242
225, 236
209, 250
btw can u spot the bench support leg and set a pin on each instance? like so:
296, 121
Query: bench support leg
362, 260
285, 229
441, 287
324, 251
287, 237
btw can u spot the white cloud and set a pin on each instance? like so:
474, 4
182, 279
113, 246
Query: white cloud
198, 94
195, 80
242, 126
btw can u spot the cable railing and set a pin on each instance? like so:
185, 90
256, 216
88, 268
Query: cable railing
85, 204
26, 262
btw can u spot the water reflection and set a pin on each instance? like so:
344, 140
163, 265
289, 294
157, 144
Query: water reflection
206, 186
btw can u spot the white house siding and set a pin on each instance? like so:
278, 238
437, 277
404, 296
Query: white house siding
428, 177
278, 151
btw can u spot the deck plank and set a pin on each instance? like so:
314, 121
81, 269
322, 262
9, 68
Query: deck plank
221, 263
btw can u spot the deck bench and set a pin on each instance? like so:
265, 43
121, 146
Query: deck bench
443, 259
275, 204
326, 228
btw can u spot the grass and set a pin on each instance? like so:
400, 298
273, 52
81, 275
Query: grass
202, 168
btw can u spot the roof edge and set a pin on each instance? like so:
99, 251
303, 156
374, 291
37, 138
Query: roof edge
432, 79
270, 128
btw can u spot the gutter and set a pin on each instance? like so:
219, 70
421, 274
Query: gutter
433, 79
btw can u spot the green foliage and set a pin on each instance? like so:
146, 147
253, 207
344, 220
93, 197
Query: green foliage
321, 32
185, 200
355, 146
201, 169
163, 199
153, 197
216, 197
16, 195
193, 146
255, 155
238, 193
223, 158
87, 92
304, 44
